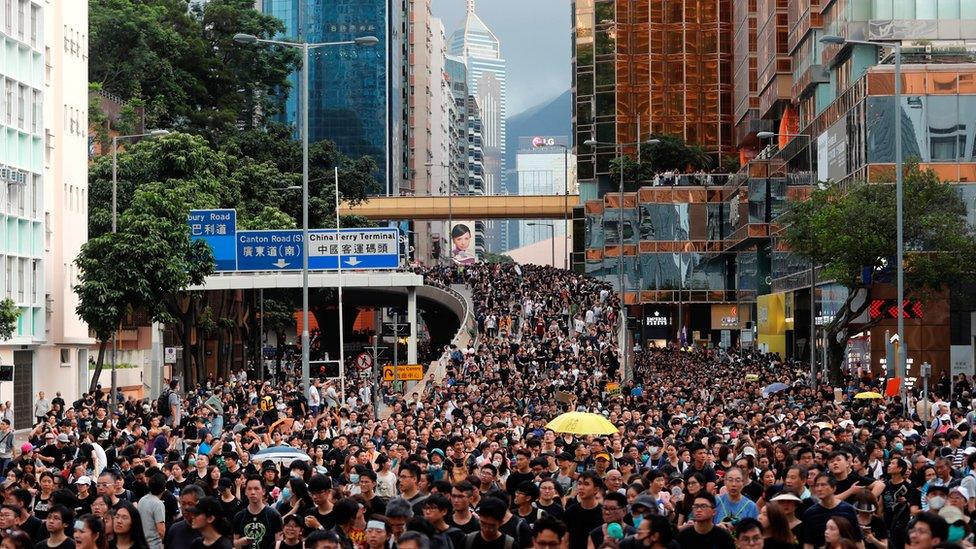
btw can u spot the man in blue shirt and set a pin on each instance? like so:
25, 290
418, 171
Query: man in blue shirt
732, 506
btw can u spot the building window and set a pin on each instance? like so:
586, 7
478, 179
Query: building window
21, 106
21, 18
36, 112
8, 16
35, 22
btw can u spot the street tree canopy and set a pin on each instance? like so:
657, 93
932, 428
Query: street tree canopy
851, 230
184, 65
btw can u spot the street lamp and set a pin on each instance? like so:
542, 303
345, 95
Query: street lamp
813, 265
288, 188
552, 230
450, 209
899, 190
620, 230
115, 186
305, 47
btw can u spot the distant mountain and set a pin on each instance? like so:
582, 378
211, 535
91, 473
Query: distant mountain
550, 118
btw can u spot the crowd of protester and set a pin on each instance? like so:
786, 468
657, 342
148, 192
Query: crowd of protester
703, 457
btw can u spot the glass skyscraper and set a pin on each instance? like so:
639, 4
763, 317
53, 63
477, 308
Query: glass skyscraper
352, 100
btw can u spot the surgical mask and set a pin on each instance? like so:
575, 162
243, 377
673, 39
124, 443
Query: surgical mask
353, 478
899, 446
936, 503
436, 466
497, 463
192, 462
654, 450
637, 520
285, 493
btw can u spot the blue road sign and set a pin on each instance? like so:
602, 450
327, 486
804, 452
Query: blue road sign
269, 250
362, 248
281, 250
218, 229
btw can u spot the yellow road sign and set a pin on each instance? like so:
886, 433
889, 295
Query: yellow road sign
410, 372
388, 373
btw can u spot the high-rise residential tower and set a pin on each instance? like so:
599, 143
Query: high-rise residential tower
43, 196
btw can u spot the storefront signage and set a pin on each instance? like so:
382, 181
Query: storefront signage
657, 319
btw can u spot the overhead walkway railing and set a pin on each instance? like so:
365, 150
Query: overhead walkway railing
439, 208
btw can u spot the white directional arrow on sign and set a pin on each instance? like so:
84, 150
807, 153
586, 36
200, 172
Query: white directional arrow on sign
281, 264
352, 261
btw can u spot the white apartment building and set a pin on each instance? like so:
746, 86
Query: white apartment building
43, 196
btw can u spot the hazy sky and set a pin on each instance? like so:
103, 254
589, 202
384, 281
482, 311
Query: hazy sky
535, 37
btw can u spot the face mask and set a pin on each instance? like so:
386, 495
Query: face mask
192, 462
436, 466
654, 450
354, 478
899, 446
286, 493
637, 520
936, 503
497, 463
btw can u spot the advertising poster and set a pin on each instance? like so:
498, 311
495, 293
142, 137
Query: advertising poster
462, 243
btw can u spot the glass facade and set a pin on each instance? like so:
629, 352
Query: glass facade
352, 100
651, 67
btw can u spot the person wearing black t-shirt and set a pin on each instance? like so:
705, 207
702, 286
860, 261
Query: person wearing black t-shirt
258, 522
586, 513
322, 515
698, 456
58, 519
491, 513
849, 482
208, 521
703, 533
522, 472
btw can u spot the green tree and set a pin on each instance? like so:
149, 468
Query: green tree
670, 154
489, 257
848, 231
275, 146
9, 313
184, 64
176, 157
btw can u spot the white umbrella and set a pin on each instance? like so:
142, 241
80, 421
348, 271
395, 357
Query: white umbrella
281, 455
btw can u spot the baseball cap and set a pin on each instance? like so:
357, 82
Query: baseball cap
84, 479
63, 438
644, 501
565, 456
602, 455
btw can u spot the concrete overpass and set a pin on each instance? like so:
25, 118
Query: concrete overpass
439, 208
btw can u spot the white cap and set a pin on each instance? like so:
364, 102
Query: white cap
84, 479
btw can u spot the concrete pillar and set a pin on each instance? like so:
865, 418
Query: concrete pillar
156, 360
412, 319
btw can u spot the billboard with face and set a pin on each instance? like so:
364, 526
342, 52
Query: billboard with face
462, 243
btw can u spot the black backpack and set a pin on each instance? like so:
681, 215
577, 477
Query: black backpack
162, 404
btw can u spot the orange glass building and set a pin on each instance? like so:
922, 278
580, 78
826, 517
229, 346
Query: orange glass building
651, 67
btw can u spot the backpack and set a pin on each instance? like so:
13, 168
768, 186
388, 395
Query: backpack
469, 540
162, 403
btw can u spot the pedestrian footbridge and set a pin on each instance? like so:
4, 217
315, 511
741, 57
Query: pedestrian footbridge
439, 208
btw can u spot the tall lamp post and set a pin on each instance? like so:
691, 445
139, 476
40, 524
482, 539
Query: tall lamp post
620, 234
305, 47
813, 266
899, 192
115, 215
450, 209
552, 233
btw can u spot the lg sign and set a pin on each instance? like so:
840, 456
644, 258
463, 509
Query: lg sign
543, 142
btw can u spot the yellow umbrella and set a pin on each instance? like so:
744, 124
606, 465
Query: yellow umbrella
582, 423
867, 395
